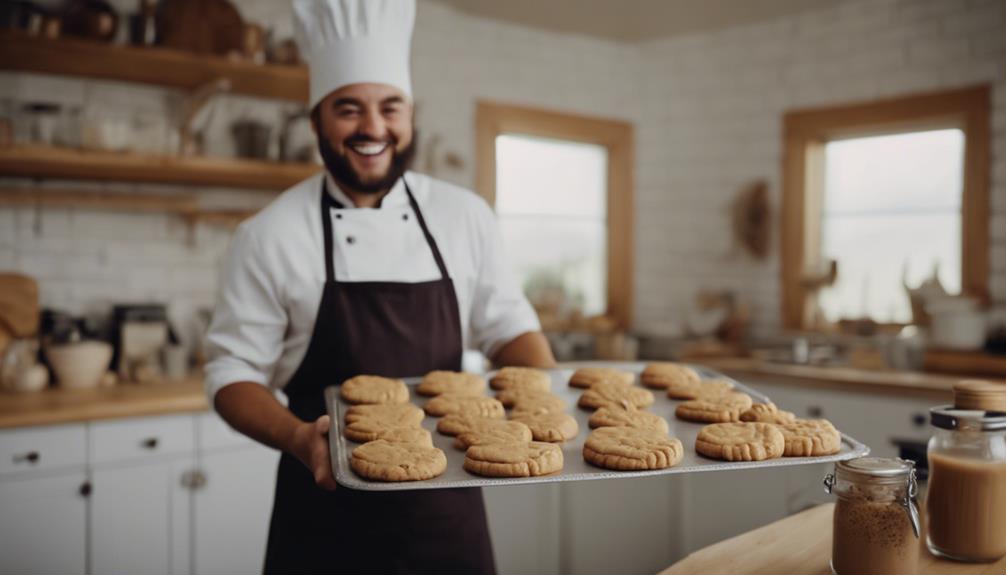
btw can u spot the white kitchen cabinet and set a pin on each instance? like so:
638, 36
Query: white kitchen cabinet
138, 495
620, 526
42, 449
43, 500
177, 495
524, 527
232, 502
136, 512
43, 524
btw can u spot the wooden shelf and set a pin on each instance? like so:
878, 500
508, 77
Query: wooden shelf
90, 200
157, 66
185, 206
66, 164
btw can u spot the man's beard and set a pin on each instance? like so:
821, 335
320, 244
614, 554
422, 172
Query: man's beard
343, 172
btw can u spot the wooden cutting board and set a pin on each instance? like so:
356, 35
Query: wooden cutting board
19, 314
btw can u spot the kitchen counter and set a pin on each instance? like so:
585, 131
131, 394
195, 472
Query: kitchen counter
919, 384
798, 545
54, 406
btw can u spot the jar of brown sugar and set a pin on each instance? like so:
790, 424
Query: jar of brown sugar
876, 522
966, 500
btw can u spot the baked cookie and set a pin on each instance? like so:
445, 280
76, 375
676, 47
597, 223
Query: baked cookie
714, 409
362, 429
383, 460
494, 431
438, 382
374, 389
513, 459
367, 422
551, 427
631, 449
613, 393
394, 414
479, 405
704, 388
810, 437
660, 375
767, 413
588, 376
415, 435
627, 416
523, 400
455, 423
521, 377
740, 441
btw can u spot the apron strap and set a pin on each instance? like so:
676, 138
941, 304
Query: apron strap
328, 203
426, 231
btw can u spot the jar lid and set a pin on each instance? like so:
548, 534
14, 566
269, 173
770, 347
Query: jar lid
949, 417
876, 467
980, 395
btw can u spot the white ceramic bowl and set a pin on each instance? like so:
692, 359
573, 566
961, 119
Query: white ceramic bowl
958, 330
79, 365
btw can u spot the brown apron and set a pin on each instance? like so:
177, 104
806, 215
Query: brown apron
395, 330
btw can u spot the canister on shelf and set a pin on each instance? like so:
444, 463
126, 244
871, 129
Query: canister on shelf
876, 521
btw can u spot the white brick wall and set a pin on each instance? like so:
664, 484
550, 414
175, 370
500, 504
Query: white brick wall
707, 109
712, 114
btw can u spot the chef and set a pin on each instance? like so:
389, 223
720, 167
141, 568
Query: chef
365, 268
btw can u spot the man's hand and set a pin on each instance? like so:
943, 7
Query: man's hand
252, 409
310, 441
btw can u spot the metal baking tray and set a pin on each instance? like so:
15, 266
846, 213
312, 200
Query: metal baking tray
574, 468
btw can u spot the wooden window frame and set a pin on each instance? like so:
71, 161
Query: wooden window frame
806, 132
494, 119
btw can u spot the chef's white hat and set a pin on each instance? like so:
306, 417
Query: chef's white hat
354, 41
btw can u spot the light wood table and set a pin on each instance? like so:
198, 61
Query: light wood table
798, 545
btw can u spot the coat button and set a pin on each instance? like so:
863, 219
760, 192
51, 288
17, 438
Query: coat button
405, 217
338, 216
350, 240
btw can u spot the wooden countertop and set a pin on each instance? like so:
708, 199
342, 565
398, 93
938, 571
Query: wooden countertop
841, 378
54, 406
798, 545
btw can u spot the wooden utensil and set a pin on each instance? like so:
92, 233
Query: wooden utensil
19, 315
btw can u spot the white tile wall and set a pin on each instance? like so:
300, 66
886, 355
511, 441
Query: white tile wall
707, 109
712, 112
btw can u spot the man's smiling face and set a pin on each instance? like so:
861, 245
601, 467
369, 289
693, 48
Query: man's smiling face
365, 135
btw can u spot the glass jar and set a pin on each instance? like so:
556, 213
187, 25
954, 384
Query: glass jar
876, 522
966, 500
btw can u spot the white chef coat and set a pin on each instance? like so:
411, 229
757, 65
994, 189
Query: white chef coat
274, 273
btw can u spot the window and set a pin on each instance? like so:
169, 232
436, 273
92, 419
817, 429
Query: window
891, 191
891, 213
561, 187
551, 198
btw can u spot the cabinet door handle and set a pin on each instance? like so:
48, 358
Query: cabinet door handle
815, 411
194, 479
28, 457
85, 489
919, 420
150, 443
